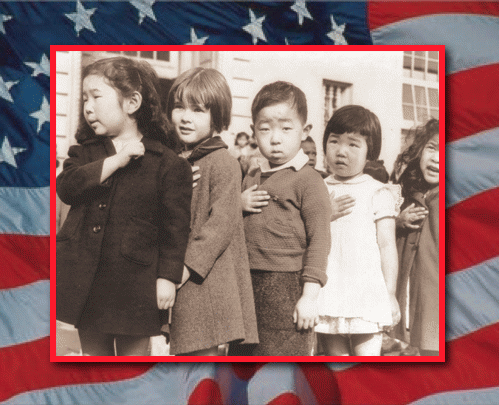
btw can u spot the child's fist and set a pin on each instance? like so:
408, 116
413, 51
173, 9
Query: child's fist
131, 150
412, 217
252, 200
165, 292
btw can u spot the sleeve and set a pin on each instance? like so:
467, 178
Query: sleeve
78, 177
316, 214
208, 243
387, 201
175, 215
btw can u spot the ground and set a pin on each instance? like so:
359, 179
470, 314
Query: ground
68, 343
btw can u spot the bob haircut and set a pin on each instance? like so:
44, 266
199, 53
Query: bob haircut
207, 87
127, 76
352, 119
277, 93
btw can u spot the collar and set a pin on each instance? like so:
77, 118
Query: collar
206, 147
297, 163
330, 180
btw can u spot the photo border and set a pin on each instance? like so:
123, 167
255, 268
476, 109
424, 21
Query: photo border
233, 359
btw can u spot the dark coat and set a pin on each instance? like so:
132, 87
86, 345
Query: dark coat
216, 304
120, 236
419, 267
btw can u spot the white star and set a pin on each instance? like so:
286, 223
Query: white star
145, 9
195, 40
336, 34
82, 18
42, 67
4, 89
7, 153
286, 41
43, 114
4, 18
301, 9
255, 28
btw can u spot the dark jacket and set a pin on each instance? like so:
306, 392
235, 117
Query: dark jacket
419, 267
216, 304
120, 236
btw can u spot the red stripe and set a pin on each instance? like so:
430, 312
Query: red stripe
472, 235
471, 363
207, 392
470, 106
27, 367
285, 399
387, 12
25, 259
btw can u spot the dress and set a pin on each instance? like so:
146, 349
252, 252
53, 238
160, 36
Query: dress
356, 286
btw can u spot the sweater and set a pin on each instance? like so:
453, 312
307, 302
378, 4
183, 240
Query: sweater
292, 233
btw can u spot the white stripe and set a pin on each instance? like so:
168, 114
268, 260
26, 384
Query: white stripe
471, 299
24, 313
25, 210
472, 166
470, 40
482, 396
274, 379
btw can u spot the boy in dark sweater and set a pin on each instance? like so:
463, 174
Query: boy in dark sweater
287, 224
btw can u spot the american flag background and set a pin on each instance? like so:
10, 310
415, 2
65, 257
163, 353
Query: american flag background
470, 32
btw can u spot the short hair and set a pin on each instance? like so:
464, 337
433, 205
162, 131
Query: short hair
280, 92
240, 135
356, 119
207, 87
308, 139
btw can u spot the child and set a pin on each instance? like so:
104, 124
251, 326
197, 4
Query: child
358, 301
241, 145
121, 249
309, 148
215, 303
417, 240
288, 239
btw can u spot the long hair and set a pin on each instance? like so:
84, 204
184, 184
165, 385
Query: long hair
412, 179
127, 76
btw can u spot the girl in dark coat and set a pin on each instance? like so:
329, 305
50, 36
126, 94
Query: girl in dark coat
215, 302
418, 241
121, 249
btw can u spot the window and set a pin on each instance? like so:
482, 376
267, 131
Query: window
153, 55
419, 103
336, 95
421, 65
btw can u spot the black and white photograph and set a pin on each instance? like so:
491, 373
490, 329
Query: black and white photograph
248, 203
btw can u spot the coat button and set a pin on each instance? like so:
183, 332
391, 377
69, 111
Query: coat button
102, 206
96, 228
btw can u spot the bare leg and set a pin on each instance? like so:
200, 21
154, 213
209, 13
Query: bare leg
212, 351
334, 345
132, 345
96, 343
368, 344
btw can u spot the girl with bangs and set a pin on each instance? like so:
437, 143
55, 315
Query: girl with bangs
214, 303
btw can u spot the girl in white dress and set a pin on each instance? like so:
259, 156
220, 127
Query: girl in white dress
358, 302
